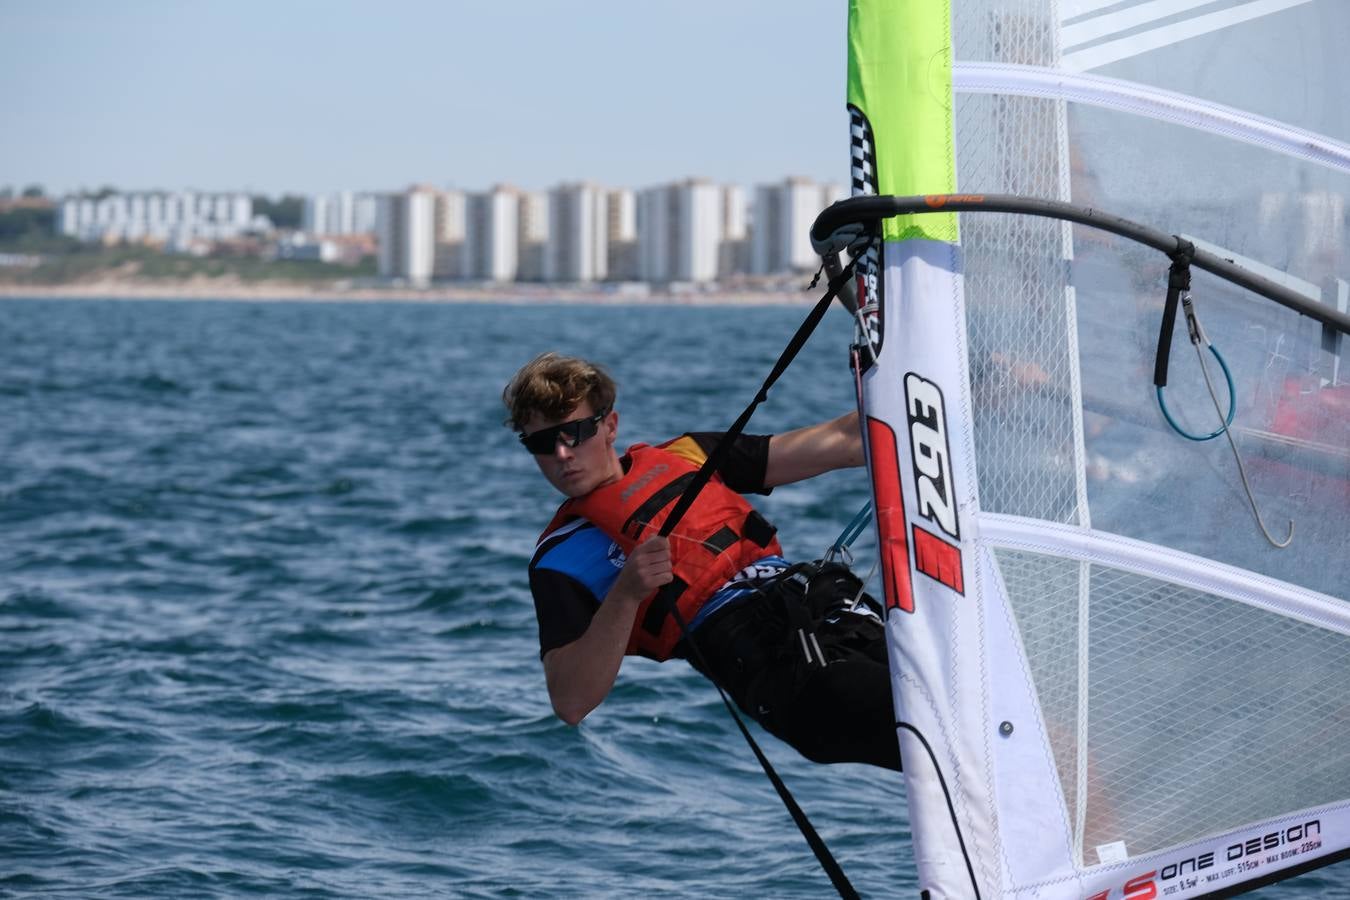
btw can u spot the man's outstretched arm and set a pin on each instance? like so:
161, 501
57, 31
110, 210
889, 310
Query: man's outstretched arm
805, 452
580, 675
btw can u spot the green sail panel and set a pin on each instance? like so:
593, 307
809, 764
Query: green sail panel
900, 77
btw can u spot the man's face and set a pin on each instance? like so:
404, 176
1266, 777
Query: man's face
576, 471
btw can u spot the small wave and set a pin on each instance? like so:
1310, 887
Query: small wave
60, 489
441, 598
36, 605
452, 797
319, 636
178, 645
260, 717
433, 526
38, 726
480, 628
261, 475
339, 487
158, 384
292, 535
253, 566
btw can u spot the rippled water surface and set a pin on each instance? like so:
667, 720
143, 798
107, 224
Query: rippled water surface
264, 626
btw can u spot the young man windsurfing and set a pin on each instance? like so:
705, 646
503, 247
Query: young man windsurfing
801, 649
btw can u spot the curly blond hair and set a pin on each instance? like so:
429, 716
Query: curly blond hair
553, 385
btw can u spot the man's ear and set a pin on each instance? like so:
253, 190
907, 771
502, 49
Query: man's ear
611, 423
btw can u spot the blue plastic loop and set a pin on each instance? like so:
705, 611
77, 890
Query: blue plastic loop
1232, 404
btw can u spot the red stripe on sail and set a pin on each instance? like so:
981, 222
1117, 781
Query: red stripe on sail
938, 560
889, 503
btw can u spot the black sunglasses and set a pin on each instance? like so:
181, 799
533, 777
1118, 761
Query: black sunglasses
577, 431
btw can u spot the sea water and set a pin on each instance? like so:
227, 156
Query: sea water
265, 628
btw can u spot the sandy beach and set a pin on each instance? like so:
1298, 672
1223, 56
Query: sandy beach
517, 293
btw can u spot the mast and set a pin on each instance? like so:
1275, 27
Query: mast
902, 133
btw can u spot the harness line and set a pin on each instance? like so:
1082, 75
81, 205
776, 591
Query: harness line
827, 861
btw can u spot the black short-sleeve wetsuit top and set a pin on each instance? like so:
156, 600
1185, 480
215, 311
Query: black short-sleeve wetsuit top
575, 565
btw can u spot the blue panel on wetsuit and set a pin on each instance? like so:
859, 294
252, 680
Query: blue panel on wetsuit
587, 555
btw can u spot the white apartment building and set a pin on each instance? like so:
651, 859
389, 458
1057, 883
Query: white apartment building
621, 235
679, 232
405, 228
178, 217
578, 247
831, 194
733, 256
532, 236
783, 215
655, 250
450, 234
363, 214
735, 213
698, 226
341, 212
492, 236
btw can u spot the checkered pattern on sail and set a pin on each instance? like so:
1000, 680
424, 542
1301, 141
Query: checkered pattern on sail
863, 170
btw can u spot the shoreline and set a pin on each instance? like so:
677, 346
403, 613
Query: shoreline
206, 290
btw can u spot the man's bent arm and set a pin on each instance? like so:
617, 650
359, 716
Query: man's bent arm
581, 674
806, 452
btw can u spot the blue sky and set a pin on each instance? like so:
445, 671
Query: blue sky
314, 96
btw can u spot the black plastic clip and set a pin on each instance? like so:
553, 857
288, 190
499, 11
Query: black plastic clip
1178, 285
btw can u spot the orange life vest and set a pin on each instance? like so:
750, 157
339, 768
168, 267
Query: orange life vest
719, 535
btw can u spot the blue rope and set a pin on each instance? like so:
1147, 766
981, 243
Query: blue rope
1232, 404
852, 529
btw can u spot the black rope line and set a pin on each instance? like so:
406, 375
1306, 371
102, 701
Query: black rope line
710, 465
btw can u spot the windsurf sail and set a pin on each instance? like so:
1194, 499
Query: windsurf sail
1108, 683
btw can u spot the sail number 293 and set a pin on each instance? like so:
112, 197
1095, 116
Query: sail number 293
931, 453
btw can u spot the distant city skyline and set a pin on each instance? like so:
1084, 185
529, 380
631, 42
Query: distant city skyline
308, 97
689, 232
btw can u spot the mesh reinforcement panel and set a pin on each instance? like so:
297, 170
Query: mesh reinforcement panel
1201, 711
1020, 320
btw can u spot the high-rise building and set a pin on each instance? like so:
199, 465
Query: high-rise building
621, 236
532, 236
363, 214
831, 193
578, 247
783, 215
655, 251
766, 252
697, 223
405, 228
679, 231
733, 257
493, 234
450, 232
